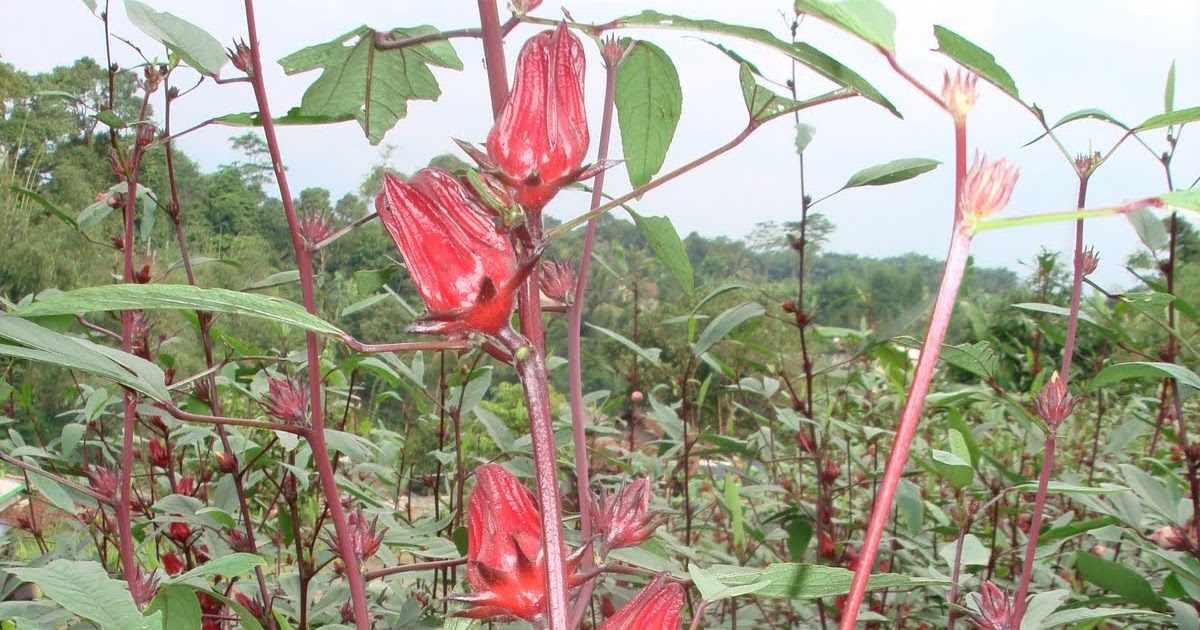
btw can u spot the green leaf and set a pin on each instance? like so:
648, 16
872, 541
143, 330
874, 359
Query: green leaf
660, 234
53, 492
192, 43
356, 448
977, 358
179, 606
110, 118
733, 502
1146, 369
1118, 578
44, 345
712, 589
650, 355
374, 86
910, 507
722, 324
761, 103
869, 20
1080, 115
807, 581
293, 117
1184, 199
1171, 119
233, 565
1075, 617
274, 280
44, 203
119, 297
974, 58
1169, 91
800, 531
1073, 529
956, 470
649, 101
807, 55
1051, 309
892, 172
85, 589
1149, 229
1058, 487
804, 137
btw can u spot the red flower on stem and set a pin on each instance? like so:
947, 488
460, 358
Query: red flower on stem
286, 401
172, 564
541, 135
462, 265
655, 607
624, 519
506, 566
158, 454
179, 531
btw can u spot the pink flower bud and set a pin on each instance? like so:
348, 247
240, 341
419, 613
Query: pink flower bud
624, 519
958, 93
987, 187
1054, 404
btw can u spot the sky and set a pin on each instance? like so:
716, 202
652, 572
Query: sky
1064, 55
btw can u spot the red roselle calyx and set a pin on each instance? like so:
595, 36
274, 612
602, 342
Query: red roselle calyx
624, 519
1054, 403
996, 610
462, 265
987, 187
541, 136
557, 281
958, 93
286, 401
655, 607
505, 561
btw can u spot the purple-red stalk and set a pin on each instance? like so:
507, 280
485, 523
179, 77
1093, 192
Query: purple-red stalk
574, 351
316, 437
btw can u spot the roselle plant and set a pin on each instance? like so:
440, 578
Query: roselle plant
727, 452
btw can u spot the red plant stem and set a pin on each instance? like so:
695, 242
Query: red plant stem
1039, 503
532, 370
960, 166
574, 353
316, 437
493, 54
943, 308
431, 565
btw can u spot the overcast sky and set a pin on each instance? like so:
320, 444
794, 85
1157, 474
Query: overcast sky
1064, 55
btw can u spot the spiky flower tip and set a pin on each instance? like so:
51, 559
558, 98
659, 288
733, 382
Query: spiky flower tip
987, 187
624, 519
958, 93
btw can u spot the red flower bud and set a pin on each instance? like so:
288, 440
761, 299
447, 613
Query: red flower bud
179, 531
655, 607
1054, 403
104, 481
186, 486
365, 538
172, 564
996, 610
226, 462
541, 135
557, 281
251, 605
286, 401
462, 265
158, 454
624, 519
506, 567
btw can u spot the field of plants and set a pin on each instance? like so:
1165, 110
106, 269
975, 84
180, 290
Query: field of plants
234, 401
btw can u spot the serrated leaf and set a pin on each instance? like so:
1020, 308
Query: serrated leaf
180, 607
1052, 309
85, 589
891, 172
193, 44
53, 492
955, 470
723, 324
1146, 369
274, 280
1082, 114
120, 297
649, 101
978, 358
867, 19
807, 55
974, 58
660, 234
374, 86
1171, 119
761, 103
293, 117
